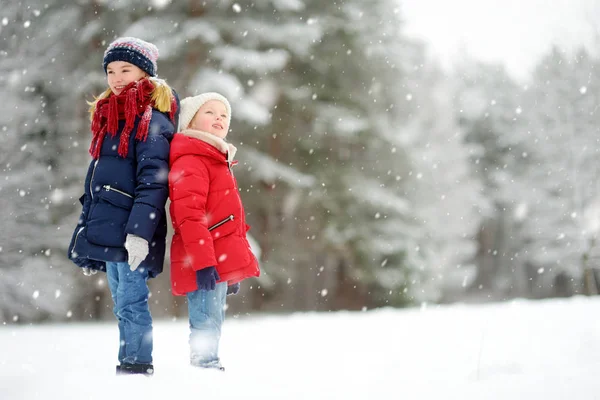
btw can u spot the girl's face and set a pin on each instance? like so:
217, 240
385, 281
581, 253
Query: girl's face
211, 118
121, 74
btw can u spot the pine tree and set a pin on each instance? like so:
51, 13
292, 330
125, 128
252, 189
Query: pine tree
445, 191
562, 128
320, 94
33, 80
491, 105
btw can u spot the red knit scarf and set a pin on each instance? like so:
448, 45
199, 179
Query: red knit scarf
135, 100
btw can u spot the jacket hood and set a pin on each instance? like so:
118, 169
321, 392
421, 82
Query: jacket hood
191, 141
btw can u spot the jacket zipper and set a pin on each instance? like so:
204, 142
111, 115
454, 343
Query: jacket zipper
92, 179
235, 186
76, 237
218, 224
108, 188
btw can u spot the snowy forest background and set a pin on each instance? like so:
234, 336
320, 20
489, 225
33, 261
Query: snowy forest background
371, 176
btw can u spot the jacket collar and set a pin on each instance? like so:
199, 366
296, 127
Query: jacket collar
220, 144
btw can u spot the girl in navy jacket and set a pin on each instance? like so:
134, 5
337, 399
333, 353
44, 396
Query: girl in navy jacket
122, 228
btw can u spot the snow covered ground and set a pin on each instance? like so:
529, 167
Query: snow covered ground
516, 350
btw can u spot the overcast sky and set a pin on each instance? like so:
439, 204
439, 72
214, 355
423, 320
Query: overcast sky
516, 32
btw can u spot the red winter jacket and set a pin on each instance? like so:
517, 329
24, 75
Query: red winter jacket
207, 212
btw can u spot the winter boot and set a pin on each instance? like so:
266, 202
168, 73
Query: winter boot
216, 364
130, 369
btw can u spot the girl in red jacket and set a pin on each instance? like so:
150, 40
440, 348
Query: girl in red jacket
209, 251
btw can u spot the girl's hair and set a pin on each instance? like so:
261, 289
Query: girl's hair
161, 96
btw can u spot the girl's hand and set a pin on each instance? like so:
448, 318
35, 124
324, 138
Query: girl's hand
207, 278
233, 289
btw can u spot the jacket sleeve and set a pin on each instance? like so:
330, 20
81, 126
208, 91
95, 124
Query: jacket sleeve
80, 223
85, 202
151, 190
189, 181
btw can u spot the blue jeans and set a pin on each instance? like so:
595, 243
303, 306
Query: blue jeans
129, 290
207, 312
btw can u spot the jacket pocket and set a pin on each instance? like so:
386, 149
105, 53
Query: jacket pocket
116, 197
223, 221
109, 216
222, 228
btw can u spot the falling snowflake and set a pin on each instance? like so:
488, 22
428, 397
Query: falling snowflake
162, 175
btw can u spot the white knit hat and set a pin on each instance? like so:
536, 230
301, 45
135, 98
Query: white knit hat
191, 105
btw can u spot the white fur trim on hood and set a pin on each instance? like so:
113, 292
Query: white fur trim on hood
220, 144
190, 106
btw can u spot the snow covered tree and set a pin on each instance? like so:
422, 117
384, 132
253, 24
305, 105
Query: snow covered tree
446, 192
560, 228
33, 79
538, 160
490, 105
313, 87
337, 177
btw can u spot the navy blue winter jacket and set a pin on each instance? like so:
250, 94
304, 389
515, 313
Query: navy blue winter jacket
126, 196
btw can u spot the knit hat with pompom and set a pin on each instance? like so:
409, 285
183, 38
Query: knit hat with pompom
134, 51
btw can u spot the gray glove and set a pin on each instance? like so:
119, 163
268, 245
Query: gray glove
137, 250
